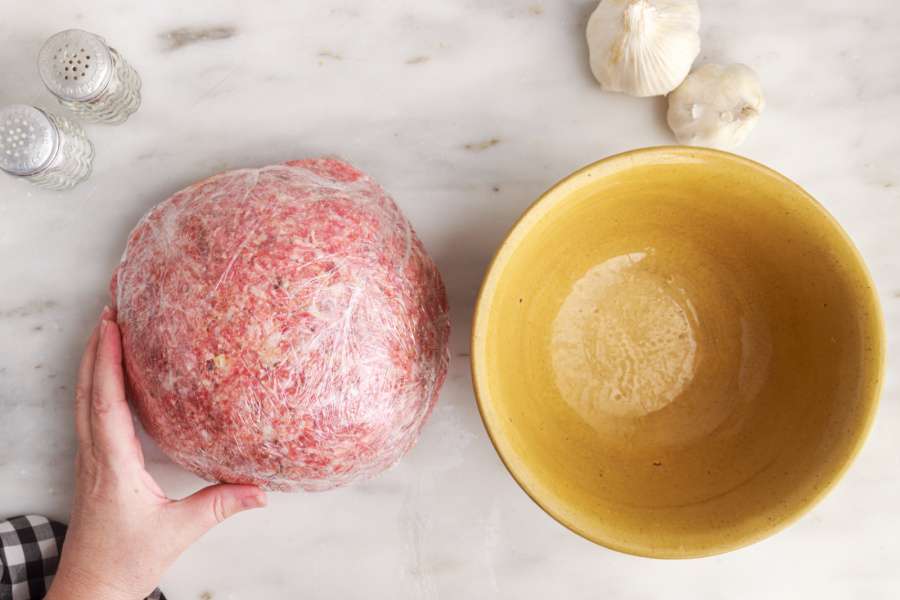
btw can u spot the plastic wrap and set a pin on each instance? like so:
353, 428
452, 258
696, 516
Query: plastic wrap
282, 326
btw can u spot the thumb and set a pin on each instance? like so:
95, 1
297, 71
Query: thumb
203, 510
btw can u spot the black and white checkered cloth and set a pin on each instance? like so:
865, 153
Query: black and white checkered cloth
29, 554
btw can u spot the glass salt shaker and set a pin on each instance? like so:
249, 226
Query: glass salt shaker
43, 148
88, 77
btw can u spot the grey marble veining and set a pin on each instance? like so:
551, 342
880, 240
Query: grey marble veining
465, 110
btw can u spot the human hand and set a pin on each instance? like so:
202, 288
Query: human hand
124, 532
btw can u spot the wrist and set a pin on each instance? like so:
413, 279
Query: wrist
70, 583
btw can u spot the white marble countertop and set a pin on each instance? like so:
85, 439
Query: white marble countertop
465, 110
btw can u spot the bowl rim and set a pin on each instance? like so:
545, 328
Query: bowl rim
541, 206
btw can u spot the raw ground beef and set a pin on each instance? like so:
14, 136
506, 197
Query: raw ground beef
282, 326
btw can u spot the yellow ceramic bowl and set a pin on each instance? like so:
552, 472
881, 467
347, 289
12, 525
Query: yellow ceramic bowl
677, 352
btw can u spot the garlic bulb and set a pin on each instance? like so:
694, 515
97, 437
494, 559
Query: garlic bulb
716, 106
643, 47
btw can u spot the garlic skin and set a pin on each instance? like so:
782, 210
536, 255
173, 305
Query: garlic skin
716, 106
643, 47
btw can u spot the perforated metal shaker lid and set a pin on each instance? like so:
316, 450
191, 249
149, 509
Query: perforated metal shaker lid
75, 64
28, 139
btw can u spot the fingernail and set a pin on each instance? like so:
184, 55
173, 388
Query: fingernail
107, 311
103, 324
254, 501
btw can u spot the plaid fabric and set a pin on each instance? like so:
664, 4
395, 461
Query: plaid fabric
29, 554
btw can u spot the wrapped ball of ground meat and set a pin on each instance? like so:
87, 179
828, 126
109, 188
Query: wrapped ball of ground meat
282, 326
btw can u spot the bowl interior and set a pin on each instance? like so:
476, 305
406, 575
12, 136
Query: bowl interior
676, 351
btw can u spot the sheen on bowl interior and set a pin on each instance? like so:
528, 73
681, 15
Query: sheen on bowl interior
677, 351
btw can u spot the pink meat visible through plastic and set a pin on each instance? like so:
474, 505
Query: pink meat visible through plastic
282, 326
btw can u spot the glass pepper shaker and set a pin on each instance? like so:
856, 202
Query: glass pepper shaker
43, 148
88, 77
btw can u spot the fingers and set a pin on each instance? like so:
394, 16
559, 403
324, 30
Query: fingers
112, 430
200, 512
83, 391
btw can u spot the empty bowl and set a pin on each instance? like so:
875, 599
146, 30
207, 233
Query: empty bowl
677, 351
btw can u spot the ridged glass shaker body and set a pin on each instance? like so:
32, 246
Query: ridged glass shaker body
88, 77
45, 149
